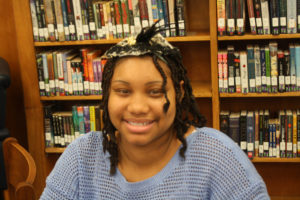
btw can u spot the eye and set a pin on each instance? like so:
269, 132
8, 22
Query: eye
123, 92
156, 92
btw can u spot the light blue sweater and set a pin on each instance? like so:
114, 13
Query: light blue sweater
214, 168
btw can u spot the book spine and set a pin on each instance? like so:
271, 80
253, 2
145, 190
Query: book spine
273, 65
71, 19
280, 57
231, 70
55, 71
251, 68
251, 16
91, 20
81, 120
224, 122
244, 71
237, 72
263, 70
298, 133
261, 134
274, 9
125, 17
43, 18
74, 78
51, 73
92, 118
166, 17
80, 79
265, 16
298, 16
287, 71
234, 127
48, 126
38, 19
131, 18
180, 19
292, 66
40, 69
294, 134
289, 143
78, 19
154, 9
220, 71
75, 120
171, 6
256, 131
283, 15
62, 69
49, 19
221, 17
258, 17
297, 64
230, 16
266, 133
282, 121
250, 134
65, 20
143, 8
69, 83
257, 68
240, 17
291, 16
86, 82
59, 21
243, 130
86, 115
268, 68
46, 74
225, 71
136, 16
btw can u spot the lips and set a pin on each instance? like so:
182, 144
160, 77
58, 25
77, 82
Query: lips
139, 126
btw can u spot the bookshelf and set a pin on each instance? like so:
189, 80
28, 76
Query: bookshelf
199, 49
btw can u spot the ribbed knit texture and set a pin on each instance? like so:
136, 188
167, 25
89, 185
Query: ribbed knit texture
214, 168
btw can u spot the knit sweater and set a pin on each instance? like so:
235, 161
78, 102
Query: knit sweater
214, 168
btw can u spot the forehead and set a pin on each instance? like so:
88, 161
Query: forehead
139, 66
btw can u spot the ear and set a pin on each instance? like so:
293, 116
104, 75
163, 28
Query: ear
181, 89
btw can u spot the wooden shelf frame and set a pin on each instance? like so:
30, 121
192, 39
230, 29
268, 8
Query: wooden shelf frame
249, 36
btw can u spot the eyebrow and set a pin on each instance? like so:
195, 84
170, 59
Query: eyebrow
148, 83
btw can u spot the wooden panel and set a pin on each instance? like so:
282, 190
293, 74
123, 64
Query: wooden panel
249, 36
282, 179
8, 50
197, 14
205, 108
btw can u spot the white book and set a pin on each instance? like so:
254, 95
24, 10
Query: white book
291, 16
265, 16
78, 19
150, 15
35, 28
244, 71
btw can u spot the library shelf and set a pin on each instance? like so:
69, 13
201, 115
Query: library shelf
275, 160
284, 94
71, 98
249, 36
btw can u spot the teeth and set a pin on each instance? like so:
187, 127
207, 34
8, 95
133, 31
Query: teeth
138, 124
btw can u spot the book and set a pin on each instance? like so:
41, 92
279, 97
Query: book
180, 18
298, 133
250, 134
34, 20
261, 133
71, 19
230, 16
265, 16
49, 19
263, 70
274, 15
240, 16
266, 132
131, 18
251, 16
282, 121
294, 113
251, 67
224, 122
86, 116
75, 120
243, 130
257, 68
78, 19
165, 8
220, 71
268, 68
143, 7
225, 72
244, 71
289, 134
221, 17
291, 16
59, 21
281, 76
256, 133
136, 16
231, 69
237, 72
287, 71
40, 69
258, 17
293, 67
65, 20
297, 65
283, 15
234, 127
48, 126
91, 20
273, 66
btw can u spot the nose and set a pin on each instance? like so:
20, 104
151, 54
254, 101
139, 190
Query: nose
138, 105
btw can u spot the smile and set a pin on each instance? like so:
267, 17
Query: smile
139, 127
139, 123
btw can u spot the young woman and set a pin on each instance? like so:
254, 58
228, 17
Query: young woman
153, 144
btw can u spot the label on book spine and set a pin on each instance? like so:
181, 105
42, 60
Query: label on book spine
85, 28
92, 26
289, 146
250, 146
72, 28
42, 85
283, 21
221, 22
275, 22
261, 149
282, 146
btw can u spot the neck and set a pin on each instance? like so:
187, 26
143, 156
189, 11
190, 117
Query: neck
140, 162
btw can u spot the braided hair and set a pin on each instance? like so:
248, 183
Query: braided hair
150, 43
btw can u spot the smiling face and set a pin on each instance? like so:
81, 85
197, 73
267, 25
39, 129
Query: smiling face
136, 101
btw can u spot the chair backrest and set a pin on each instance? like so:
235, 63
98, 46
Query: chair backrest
20, 170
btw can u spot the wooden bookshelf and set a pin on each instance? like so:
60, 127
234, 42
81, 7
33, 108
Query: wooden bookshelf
249, 36
199, 49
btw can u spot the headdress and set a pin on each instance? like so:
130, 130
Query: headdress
148, 41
